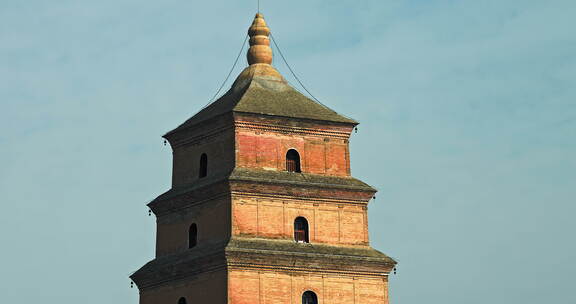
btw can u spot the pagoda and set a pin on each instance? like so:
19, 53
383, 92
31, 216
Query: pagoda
263, 208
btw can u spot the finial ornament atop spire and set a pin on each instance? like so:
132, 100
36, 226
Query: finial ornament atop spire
260, 51
259, 56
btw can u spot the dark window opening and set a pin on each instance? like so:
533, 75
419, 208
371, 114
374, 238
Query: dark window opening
301, 230
309, 297
293, 161
193, 236
182, 301
203, 165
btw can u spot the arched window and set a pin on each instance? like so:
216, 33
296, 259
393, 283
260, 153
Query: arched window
193, 236
203, 165
309, 297
182, 301
301, 230
293, 161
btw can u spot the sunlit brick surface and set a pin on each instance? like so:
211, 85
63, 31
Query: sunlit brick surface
253, 287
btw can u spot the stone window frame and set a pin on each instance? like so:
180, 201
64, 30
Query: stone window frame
203, 169
293, 161
192, 236
312, 299
301, 230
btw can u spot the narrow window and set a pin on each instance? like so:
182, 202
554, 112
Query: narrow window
293, 161
182, 301
203, 165
309, 297
301, 230
193, 236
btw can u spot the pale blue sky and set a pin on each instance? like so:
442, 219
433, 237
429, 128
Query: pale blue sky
468, 129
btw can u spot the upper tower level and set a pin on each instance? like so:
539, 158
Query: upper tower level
258, 121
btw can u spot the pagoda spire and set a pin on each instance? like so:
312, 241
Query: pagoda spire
260, 51
259, 56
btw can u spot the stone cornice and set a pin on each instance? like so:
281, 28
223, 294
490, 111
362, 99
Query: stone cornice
304, 270
161, 272
189, 198
267, 127
314, 192
193, 140
277, 185
264, 255
314, 199
310, 262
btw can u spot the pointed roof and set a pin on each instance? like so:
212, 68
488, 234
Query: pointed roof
260, 89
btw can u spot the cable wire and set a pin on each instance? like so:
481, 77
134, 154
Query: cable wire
298, 79
290, 68
229, 73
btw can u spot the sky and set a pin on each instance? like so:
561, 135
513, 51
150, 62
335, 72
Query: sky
468, 131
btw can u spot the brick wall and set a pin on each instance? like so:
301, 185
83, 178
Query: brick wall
186, 159
211, 217
275, 287
205, 288
323, 149
329, 223
215, 138
335, 216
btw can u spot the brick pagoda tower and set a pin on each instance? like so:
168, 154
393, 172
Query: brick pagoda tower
262, 207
